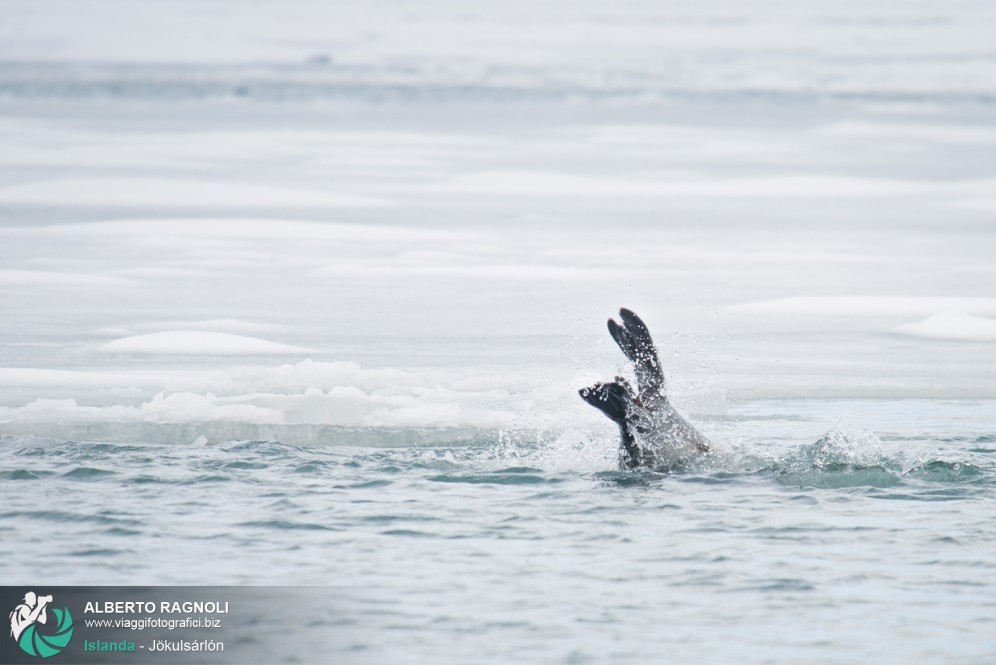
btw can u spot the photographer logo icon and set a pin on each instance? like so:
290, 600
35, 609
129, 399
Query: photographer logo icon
31, 629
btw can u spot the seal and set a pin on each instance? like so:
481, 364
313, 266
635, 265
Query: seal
653, 434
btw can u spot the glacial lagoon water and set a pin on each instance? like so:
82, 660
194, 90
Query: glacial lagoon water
306, 299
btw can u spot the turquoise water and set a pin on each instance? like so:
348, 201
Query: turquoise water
787, 545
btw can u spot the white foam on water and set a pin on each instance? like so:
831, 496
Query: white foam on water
844, 443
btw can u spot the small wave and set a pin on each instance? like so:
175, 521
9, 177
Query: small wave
314, 466
88, 473
285, 525
980, 442
60, 516
207, 479
519, 469
25, 474
366, 484
249, 466
259, 448
838, 476
100, 552
391, 519
942, 471
149, 480
630, 478
843, 458
887, 472
776, 585
514, 478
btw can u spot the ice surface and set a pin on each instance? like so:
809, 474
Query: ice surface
198, 342
953, 325
33, 378
851, 48
35, 278
302, 393
531, 183
867, 305
160, 191
442, 226
216, 325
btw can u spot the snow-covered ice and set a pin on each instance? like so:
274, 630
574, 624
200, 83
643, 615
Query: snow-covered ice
799, 204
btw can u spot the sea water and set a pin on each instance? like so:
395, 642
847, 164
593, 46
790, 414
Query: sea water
306, 297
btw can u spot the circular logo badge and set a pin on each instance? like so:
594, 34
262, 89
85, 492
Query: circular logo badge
41, 630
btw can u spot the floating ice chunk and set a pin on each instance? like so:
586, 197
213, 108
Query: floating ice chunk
190, 407
425, 415
199, 342
326, 375
953, 325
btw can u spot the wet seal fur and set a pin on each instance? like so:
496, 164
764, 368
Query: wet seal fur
654, 435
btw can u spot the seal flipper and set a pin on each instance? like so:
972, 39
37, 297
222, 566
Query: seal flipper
654, 435
623, 339
633, 338
612, 399
616, 400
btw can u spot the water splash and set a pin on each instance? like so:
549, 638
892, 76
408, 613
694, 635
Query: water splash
844, 445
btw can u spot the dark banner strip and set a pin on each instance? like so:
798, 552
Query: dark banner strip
183, 625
